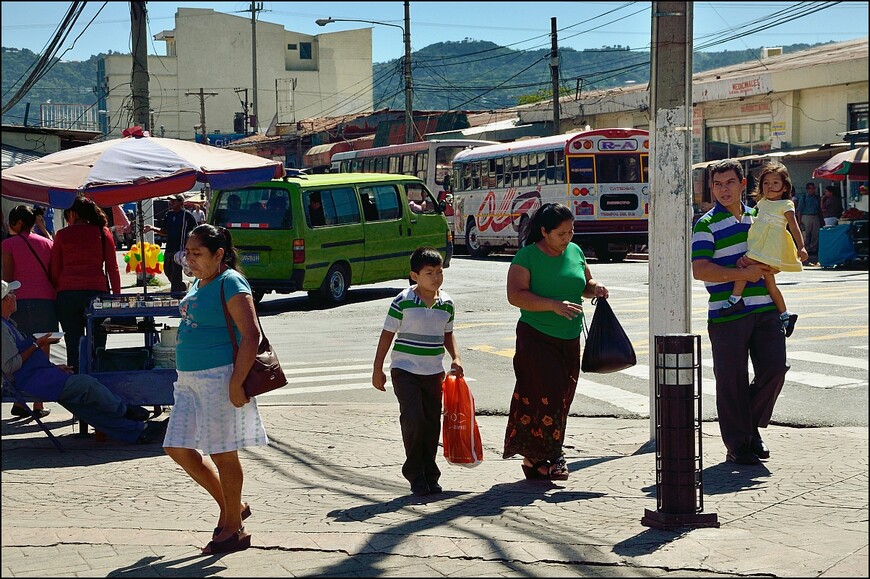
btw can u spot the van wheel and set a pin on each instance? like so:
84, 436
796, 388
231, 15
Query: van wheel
335, 286
472, 241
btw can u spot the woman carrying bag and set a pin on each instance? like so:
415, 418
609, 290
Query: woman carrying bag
212, 413
547, 279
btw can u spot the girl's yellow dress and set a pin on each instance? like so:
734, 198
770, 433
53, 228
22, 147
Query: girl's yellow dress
769, 240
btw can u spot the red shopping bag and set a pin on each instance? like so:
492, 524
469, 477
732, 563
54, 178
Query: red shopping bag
461, 437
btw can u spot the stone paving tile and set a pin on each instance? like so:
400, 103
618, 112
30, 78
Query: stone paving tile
331, 484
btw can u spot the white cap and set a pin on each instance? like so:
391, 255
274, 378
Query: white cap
10, 286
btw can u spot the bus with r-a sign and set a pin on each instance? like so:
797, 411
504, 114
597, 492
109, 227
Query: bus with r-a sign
602, 175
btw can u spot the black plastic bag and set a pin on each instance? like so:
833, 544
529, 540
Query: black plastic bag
608, 348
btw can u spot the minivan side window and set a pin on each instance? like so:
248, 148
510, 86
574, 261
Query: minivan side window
380, 202
419, 199
339, 207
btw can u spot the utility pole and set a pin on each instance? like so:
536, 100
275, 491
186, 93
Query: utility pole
554, 70
670, 160
139, 78
410, 130
202, 94
244, 105
256, 115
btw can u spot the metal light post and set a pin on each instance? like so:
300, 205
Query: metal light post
406, 34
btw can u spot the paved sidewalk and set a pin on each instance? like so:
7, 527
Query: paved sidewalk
328, 499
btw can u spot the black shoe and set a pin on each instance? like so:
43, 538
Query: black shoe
434, 487
136, 413
153, 432
742, 456
420, 487
734, 308
759, 448
24, 412
789, 325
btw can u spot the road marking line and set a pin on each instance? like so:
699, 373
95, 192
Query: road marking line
830, 359
615, 396
823, 381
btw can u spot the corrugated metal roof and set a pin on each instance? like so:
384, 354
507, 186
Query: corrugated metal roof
14, 156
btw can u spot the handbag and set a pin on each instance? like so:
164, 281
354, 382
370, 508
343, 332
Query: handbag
607, 348
460, 434
265, 374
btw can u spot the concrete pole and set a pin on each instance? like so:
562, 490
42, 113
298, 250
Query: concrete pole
670, 218
554, 70
254, 9
202, 94
139, 78
410, 131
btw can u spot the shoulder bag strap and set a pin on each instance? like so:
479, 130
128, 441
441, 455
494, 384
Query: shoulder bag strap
105, 269
36, 255
230, 324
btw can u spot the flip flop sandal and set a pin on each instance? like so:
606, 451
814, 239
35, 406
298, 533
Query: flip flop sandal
246, 512
231, 544
534, 472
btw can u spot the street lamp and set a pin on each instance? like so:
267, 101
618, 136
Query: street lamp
406, 33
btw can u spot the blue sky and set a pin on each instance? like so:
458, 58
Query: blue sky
517, 25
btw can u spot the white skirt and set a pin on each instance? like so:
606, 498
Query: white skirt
204, 418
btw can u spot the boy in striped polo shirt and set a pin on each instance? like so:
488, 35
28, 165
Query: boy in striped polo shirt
421, 320
756, 332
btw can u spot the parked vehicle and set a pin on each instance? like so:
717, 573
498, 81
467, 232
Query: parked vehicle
323, 233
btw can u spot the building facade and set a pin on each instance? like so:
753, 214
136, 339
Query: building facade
298, 76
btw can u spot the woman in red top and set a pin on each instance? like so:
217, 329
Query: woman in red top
26, 258
77, 259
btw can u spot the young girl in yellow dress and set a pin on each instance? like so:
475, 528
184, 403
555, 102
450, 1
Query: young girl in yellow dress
769, 241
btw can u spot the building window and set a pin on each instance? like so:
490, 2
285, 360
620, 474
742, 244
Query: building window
291, 47
305, 50
857, 116
728, 141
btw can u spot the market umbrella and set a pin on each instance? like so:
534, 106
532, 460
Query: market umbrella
851, 164
132, 169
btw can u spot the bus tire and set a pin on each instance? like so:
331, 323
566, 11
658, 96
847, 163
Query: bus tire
602, 253
618, 256
472, 241
335, 286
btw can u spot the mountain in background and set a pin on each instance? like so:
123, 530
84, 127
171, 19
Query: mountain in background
462, 75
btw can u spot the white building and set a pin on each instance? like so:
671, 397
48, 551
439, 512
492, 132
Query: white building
298, 76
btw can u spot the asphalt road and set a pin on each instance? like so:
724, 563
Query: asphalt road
328, 351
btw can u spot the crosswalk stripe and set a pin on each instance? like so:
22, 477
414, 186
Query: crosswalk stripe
617, 396
814, 379
830, 359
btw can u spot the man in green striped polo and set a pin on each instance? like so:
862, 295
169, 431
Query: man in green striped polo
718, 244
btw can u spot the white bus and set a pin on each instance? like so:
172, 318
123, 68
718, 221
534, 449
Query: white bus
602, 175
431, 161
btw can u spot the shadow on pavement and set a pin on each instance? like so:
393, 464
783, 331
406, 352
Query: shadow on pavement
302, 303
198, 566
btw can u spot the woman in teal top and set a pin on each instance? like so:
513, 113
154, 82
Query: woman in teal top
212, 412
547, 279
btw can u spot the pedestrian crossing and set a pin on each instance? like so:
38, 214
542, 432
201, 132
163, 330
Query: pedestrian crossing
627, 390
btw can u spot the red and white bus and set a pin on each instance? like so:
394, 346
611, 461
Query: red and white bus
602, 175
431, 161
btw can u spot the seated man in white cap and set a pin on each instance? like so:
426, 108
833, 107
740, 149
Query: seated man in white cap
89, 400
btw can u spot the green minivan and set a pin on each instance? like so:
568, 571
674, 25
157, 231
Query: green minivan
323, 233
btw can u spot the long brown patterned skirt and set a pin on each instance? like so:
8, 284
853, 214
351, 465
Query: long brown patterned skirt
547, 370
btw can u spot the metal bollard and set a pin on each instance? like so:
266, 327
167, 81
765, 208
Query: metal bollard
679, 456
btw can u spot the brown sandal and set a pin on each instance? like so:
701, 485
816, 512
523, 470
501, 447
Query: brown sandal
559, 470
246, 512
231, 544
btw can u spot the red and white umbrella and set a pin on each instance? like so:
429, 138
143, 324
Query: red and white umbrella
851, 164
132, 169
